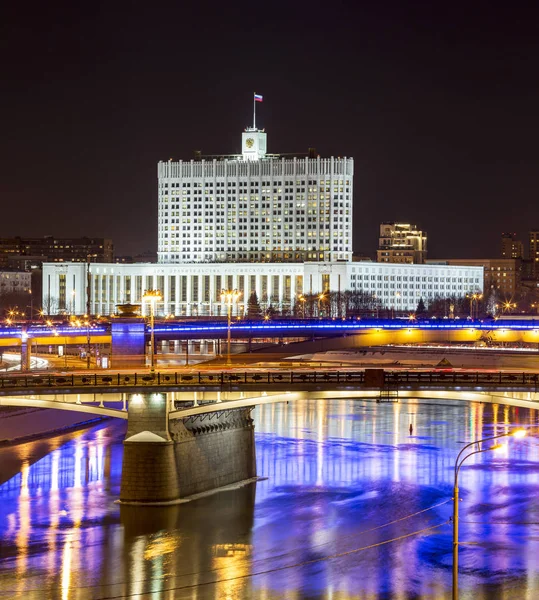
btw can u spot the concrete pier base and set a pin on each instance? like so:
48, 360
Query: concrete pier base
167, 461
214, 451
148, 470
149, 473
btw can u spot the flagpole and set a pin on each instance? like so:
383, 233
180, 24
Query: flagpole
254, 110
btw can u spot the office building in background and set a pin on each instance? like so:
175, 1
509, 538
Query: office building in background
511, 247
401, 243
501, 275
24, 253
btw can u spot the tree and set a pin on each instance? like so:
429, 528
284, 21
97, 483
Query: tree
51, 304
253, 308
490, 302
420, 311
271, 311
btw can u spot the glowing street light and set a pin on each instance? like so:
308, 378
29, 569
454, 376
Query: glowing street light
321, 298
517, 433
31, 304
230, 297
475, 297
302, 299
152, 296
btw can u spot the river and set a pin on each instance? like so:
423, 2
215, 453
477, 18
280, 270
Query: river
351, 506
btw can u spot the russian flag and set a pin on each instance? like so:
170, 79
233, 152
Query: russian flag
258, 98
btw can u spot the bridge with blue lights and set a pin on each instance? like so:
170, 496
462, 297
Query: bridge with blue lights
218, 329
126, 342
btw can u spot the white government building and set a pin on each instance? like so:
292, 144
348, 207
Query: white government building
255, 207
280, 226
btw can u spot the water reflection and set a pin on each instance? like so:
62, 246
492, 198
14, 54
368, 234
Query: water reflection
181, 549
343, 478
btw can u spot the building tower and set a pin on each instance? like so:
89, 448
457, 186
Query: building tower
255, 207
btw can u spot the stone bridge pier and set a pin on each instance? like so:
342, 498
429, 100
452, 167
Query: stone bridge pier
166, 460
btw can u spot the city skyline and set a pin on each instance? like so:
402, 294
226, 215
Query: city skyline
437, 109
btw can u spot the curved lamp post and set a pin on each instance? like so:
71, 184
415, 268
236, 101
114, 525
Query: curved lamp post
153, 296
517, 433
230, 297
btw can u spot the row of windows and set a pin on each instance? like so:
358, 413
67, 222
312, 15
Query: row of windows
429, 289
263, 213
277, 183
257, 257
412, 278
255, 190
411, 286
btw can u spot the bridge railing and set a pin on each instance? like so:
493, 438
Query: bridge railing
265, 379
176, 378
476, 377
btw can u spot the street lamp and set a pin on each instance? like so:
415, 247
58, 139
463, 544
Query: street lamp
302, 299
321, 298
230, 297
475, 297
31, 304
517, 433
153, 296
507, 306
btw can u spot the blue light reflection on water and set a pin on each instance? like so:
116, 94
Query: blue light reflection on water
338, 472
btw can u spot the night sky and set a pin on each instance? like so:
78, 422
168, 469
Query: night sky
439, 106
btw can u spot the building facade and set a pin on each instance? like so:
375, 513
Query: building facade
195, 289
15, 282
401, 243
24, 253
511, 247
255, 207
501, 275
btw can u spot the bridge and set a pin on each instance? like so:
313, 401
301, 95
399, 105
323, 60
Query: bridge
276, 380
11, 335
188, 433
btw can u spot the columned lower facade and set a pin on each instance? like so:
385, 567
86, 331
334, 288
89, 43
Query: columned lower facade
195, 289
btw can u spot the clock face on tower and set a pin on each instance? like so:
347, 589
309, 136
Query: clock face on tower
249, 142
